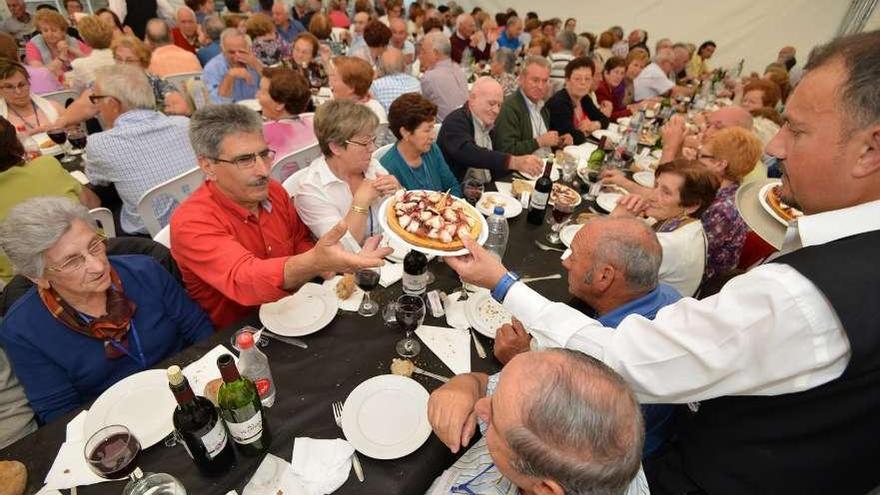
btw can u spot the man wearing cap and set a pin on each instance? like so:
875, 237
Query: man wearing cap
785, 360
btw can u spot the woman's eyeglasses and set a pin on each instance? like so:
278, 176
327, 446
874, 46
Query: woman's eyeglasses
97, 247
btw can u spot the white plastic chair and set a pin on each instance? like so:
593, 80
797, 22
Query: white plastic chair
177, 188
301, 158
291, 184
104, 217
164, 236
178, 79
380, 152
61, 97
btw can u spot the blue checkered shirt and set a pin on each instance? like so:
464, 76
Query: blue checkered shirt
386, 89
143, 149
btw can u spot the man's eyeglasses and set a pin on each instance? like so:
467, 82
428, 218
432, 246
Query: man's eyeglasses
249, 160
368, 143
96, 98
22, 86
98, 247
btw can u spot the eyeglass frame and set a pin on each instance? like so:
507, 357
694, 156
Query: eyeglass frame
94, 99
371, 142
249, 160
73, 264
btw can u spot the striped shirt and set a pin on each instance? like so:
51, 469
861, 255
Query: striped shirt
386, 89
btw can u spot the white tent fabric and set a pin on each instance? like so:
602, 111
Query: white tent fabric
750, 29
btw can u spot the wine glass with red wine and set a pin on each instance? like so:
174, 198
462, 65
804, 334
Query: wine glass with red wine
77, 139
367, 279
59, 136
561, 213
112, 452
472, 189
410, 313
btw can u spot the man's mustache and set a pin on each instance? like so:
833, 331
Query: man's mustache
259, 181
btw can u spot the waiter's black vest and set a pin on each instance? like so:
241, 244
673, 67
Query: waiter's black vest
139, 12
824, 440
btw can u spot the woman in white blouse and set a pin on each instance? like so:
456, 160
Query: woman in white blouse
345, 183
682, 192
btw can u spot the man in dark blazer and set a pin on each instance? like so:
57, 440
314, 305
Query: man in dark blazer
466, 136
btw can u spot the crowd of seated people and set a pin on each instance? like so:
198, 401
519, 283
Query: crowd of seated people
452, 95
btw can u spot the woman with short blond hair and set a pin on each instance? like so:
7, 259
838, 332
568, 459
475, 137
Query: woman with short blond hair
98, 35
53, 47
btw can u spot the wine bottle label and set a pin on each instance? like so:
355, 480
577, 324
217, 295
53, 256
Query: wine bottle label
247, 431
539, 200
215, 440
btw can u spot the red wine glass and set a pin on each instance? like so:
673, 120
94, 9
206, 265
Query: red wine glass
112, 452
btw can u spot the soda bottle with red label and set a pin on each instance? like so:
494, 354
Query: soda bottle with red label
255, 366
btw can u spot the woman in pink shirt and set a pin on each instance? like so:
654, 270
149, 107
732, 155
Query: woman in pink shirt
53, 48
283, 95
338, 14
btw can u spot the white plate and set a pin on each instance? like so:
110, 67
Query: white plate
303, 313
142, 402
253, 104
386, 417
566, 235
762, 198
645, 178
485, 314
608, 201
386, 229
581, 152
400, 250
512, 207
613, 136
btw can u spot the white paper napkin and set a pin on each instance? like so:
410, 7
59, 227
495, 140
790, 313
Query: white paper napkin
354, 300
70, 468
272, 477
451, 345
455, 315
321, 465
390, 273
80, 177
203, 370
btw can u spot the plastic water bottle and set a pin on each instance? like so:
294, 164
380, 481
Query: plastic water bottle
254, 365
496, 243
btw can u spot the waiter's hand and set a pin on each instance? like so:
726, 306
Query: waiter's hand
479, 268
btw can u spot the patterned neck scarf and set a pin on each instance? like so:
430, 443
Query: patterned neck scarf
112, 326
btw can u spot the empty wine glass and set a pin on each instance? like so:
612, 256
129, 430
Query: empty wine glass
367, 279
410, 313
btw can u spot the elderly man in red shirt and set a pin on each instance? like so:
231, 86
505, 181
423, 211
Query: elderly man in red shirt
237, 239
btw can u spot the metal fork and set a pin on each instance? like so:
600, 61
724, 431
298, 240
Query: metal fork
355, 462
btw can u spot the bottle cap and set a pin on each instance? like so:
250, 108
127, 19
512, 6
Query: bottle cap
499, 210
175, 376
245, 340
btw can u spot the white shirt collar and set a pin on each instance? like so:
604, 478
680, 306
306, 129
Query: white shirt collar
821, 228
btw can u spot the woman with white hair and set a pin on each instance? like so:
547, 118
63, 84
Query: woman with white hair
91, 320
503, 68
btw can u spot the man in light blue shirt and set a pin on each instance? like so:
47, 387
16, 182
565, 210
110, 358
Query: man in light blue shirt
234, 75
392, 81
141, 147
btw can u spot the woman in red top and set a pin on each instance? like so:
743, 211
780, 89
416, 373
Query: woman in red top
611, 87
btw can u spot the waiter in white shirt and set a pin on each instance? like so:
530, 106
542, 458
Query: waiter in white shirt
785, 360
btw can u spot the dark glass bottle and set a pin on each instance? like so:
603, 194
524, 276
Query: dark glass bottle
415, 273
538, 202
241, 409
198, 425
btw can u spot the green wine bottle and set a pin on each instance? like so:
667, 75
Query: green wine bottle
597, 157
240, 408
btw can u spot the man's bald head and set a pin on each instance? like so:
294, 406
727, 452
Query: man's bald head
157, 33
391, 62
732, 116
613, 261
484, 100
567, 417
465, 26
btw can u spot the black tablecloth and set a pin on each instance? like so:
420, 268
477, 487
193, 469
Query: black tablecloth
345, 353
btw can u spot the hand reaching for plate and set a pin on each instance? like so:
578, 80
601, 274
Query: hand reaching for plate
529, 165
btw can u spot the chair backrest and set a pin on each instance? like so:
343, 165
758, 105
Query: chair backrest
177, 188
104, 217
292, 183
380, 152
296, 160
164, 236
178, 79
61, 97
437, 127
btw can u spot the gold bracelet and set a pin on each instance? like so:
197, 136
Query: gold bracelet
359, 209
